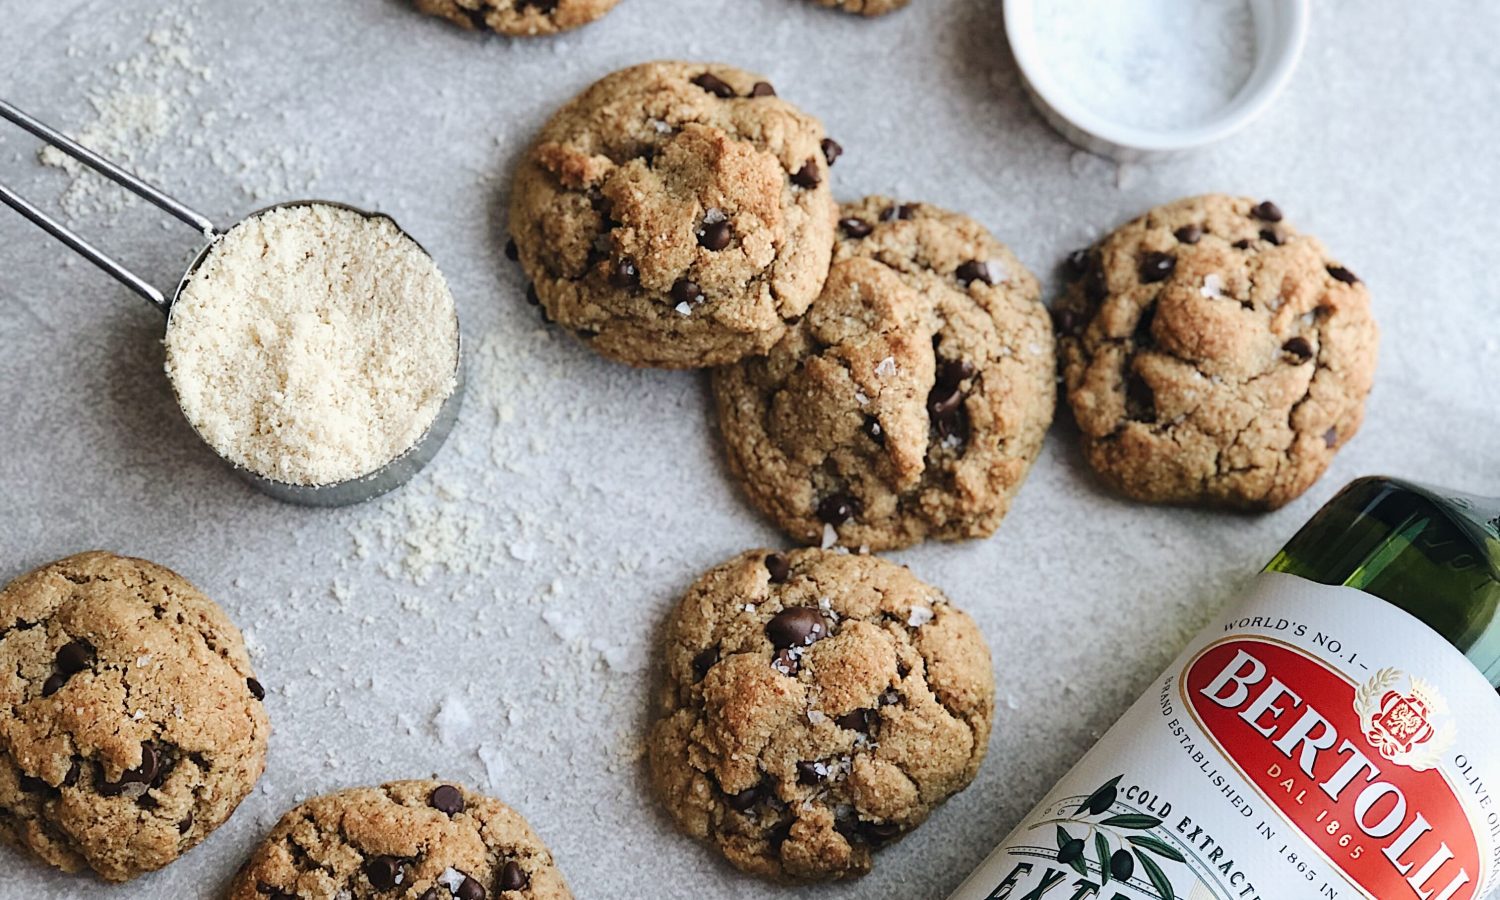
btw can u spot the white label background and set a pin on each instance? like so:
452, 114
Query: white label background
1158, 769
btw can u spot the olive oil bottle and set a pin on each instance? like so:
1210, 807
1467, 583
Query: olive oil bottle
1335, 734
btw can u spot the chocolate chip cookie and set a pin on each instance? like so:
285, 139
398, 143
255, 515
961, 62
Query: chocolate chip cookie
865, 7
818, 705
406, 840
911, 400
1213, 355
519, 18
131, 724
676, 214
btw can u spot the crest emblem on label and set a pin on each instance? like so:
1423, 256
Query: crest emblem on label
1406, 727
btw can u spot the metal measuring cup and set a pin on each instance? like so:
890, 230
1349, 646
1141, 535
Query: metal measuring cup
341, 493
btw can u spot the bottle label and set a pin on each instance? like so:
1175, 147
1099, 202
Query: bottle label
1312, 742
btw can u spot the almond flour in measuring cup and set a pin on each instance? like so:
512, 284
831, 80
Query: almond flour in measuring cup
1148, 63
313, 345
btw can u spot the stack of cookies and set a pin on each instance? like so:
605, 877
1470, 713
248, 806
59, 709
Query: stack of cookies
884, 373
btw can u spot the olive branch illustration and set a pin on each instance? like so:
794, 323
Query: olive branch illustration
1109, 831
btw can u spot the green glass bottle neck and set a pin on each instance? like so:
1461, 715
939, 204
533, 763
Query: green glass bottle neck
1433, 553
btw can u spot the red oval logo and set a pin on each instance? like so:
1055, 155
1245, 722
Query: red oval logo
1353, 767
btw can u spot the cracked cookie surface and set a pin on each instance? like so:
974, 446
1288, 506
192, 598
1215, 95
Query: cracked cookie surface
518, 18
676, 214
865, 7
406, 840
911, 400
817, 706
1213, 355
131, 724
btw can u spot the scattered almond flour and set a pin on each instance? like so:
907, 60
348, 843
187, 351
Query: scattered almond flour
313, 345
158, 109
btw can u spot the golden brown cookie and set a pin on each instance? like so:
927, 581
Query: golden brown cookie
676, 214
1213, 355
818, 705
865, 7
406, 840
519, 18
131, 724
911, 400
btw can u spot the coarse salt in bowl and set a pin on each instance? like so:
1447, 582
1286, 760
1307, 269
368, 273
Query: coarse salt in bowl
1134, 79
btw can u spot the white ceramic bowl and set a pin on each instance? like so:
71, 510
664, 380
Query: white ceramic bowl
1280, 33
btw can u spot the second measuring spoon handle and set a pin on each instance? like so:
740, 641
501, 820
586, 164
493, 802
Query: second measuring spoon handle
114, 173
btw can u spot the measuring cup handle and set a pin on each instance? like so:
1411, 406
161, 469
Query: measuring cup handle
83, 248
114, 173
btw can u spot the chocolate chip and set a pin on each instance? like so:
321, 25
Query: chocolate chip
1340, 273
872, 428
861, 720
429, 894
1298, 349
954, 371
624, 274
745, 799
446, 799
856, 228
810, 773
974, 270
944, 400
512, 252
33, 785
185, 825
145, 773
715, 236
798, 626
469, 889
779, 567
1242, 244
256, 690
763, 89
1095, 286
275, 893
1331, 437
686, 291
1189, 234
384, 872
1271, 236
786, 663
808, 176
74, 656
1067, 321
1157, 267
836, 509
879, 832
904, 211
71, 778
704, 661
1142, 335
1076, 265
53, 684
714, 85
513, 877
832, 150
1140, 399
1266, 211
531, 295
